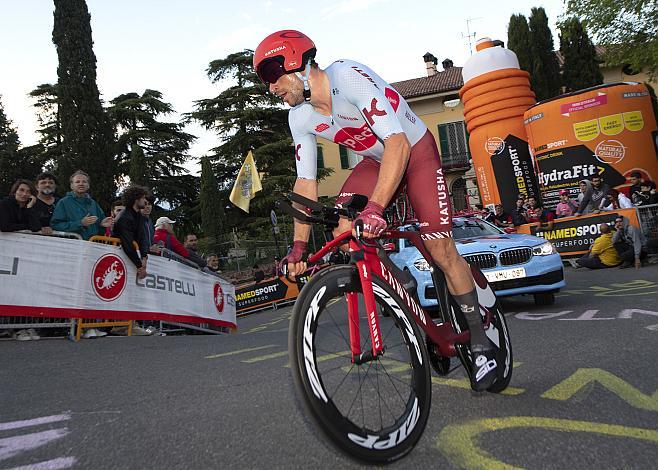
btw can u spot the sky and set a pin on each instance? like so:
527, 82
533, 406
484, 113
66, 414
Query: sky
167, 45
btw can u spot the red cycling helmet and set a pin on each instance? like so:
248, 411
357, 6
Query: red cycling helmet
283, 52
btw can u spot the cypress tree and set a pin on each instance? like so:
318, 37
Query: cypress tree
211, 208
88, 138
545, 75
581, 69
518, 40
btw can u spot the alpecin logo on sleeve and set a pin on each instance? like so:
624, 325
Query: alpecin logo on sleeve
218, 295
108, 277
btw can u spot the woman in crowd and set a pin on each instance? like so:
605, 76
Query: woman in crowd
16, 211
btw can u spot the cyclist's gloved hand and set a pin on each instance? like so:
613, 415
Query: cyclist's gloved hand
373, 219
297, 252
295, 260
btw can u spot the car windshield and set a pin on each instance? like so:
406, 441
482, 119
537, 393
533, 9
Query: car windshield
470, 228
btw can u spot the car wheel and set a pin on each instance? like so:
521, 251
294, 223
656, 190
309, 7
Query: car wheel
544, 298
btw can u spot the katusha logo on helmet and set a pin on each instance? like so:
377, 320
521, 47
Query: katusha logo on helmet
108, 277
218, 295
272, 51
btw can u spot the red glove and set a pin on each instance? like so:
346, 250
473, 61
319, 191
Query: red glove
297, 252
373, 219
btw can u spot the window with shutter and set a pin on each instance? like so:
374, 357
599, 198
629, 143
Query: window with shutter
320, 158
344, 159
454, 145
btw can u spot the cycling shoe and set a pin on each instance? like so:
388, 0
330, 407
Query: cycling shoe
485, 368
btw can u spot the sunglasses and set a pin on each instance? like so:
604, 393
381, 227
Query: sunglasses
270, 71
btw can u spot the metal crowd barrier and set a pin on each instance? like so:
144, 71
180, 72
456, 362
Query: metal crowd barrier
648, 223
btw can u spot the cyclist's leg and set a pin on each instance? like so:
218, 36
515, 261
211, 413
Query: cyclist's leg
428, 195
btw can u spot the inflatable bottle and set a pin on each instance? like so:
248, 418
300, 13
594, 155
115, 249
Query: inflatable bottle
496, 94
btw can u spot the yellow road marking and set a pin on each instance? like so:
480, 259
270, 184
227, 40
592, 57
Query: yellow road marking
458, 441
239, 351
266, 357
582, 377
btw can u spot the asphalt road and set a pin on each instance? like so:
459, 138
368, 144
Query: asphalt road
584, 394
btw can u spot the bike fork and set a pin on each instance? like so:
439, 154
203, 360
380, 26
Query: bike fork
359, 357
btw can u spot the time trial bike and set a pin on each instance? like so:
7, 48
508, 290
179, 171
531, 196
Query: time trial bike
359, 362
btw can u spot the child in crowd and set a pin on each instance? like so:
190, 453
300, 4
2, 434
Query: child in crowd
566, 207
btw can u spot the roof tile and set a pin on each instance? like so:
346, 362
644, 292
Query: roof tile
448, 80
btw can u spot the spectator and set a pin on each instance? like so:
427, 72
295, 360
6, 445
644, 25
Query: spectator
518, 215
615, 200
536, 213
500, 218
128, 227
191, 241
275, 268
164, 236
585, 186
213, 263
17, 211
259, 274
602, 253
593, 196
635, 189
115, 210
629, 243
647, 195
77, 212
566, 207
149, 228
46, 201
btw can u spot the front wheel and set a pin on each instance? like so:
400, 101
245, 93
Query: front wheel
375, 411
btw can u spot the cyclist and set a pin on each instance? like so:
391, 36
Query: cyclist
351, 105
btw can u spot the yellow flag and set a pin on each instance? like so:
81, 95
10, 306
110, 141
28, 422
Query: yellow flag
246, 185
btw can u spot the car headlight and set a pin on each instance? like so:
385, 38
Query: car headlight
544, 249
422, 265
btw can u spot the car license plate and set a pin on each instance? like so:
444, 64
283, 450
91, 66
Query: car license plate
505, 274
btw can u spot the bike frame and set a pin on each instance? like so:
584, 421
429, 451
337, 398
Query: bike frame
368, 262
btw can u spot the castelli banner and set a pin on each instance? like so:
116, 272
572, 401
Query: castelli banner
608, 130
66, 278
572, 236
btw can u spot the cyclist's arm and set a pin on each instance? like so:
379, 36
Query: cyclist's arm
309, 189
394, 163
306, 161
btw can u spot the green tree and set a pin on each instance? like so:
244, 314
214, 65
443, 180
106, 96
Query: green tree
87, 137
50, 126
15, 162
246, 117
581, 68
628, 30
545, 75
518, 40
150, 151
211, 206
